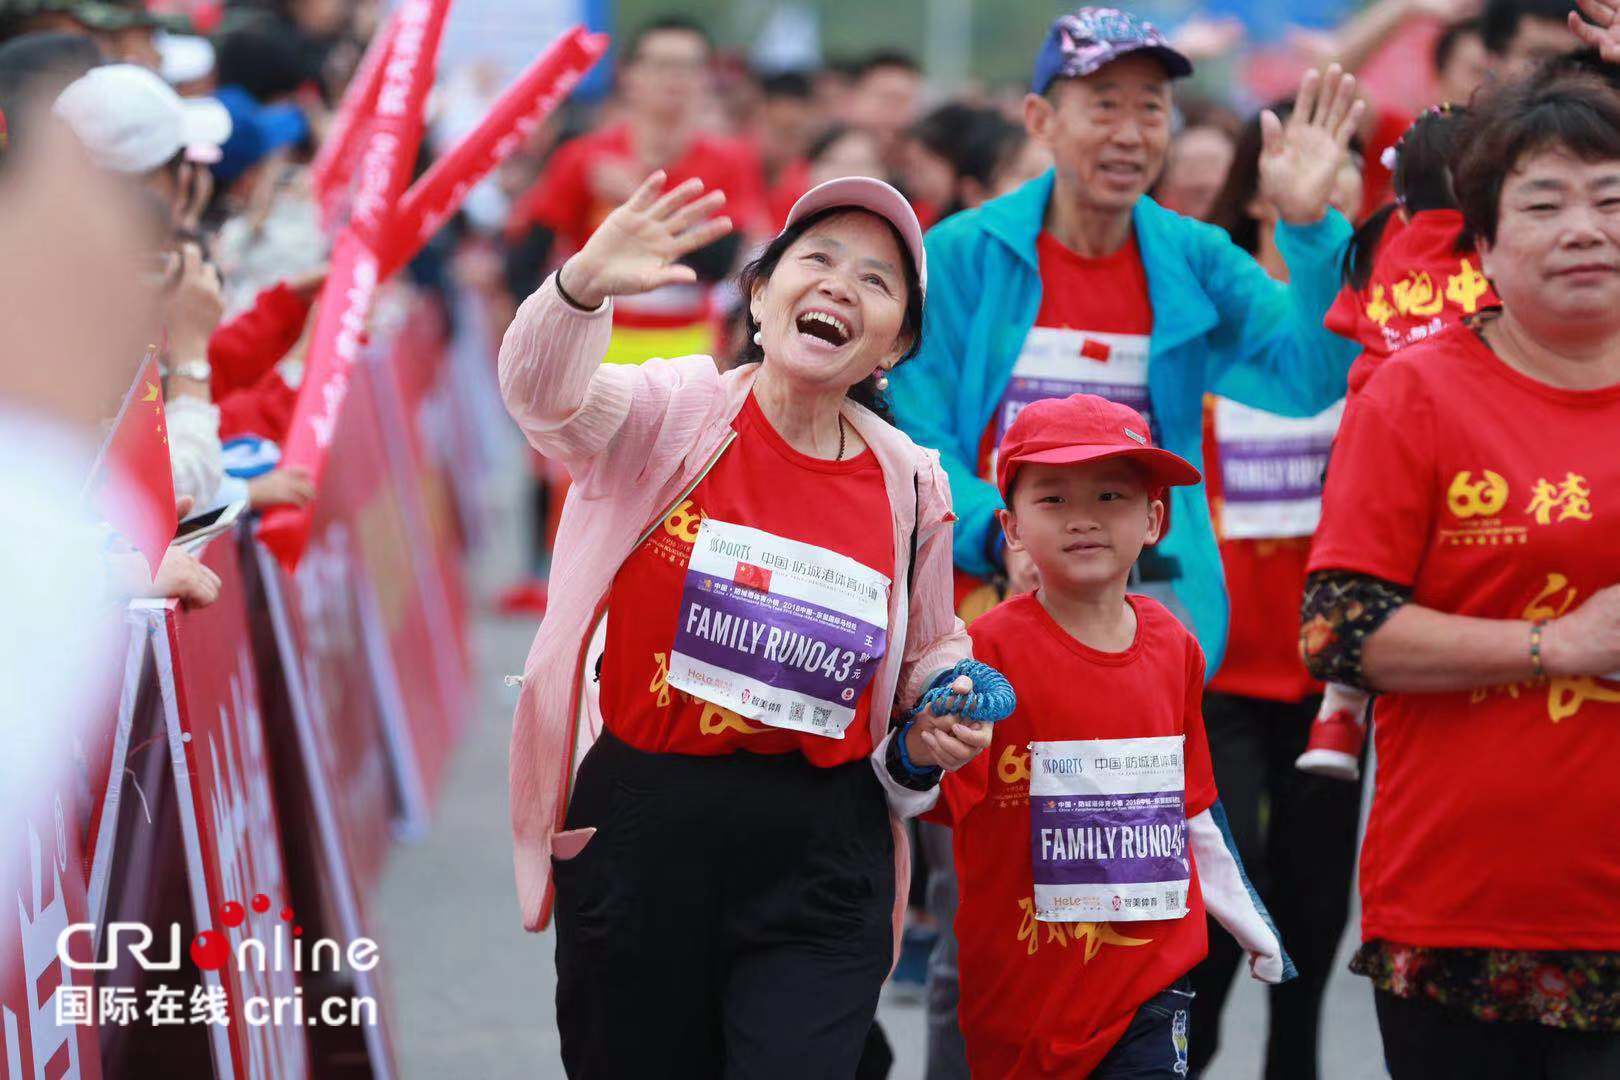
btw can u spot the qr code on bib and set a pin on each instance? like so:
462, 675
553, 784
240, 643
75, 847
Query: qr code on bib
820, 716
796, 712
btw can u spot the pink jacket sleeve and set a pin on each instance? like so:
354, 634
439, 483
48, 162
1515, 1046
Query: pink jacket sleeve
935, 637
609, 424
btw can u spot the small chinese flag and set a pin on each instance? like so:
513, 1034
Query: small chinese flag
134, 486
753, 577
1092, 349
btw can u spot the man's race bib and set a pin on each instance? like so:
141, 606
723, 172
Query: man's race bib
1271, 469
778, 631
1057, 363
1108, 829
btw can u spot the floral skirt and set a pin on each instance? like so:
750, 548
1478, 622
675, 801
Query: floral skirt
1579, 991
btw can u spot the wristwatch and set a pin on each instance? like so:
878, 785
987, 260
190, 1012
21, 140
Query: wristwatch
195, 370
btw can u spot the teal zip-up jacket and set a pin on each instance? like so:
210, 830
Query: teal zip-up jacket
1220, 325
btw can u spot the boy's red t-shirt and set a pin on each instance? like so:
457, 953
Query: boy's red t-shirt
747, 487
1495, 496
1051, 999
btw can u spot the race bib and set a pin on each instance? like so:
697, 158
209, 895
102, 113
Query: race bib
1108, 829
1057, 363
778, 631
1271, 469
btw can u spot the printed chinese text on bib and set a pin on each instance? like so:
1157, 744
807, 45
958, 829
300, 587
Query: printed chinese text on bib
778, 631
1108, 829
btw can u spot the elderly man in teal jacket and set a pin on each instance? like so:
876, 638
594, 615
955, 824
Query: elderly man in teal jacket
1078, 282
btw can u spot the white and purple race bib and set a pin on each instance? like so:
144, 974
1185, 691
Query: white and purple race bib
1057, 362
1108, 829
1271, 469
778, 631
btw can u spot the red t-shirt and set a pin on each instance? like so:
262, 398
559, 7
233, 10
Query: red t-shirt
1491, 495
571, 200
765, 484
1090, 336
566, 199
1420, 284
1050, 998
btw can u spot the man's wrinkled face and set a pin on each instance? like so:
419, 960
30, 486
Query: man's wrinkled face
1108, 132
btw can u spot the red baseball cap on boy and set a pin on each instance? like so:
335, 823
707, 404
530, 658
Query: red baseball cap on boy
1085, 427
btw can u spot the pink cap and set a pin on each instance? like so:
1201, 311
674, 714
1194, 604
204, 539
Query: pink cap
865, 193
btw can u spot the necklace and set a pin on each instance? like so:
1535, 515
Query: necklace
840, 456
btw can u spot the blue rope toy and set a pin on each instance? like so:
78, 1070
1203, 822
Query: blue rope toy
992, 698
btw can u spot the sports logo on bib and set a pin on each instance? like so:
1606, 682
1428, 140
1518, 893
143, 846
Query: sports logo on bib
1108, 829
778, 631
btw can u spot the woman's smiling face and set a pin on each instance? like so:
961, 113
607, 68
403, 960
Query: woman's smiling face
832, 310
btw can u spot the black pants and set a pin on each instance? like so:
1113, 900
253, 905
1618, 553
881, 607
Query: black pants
1423, 1040
731, 917
1154, 1047
1296, 834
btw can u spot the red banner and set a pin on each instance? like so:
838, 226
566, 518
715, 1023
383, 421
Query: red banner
395, 129
520, 109
335, 344
41, 895
411, 629
229, 821
333, 167
393, 135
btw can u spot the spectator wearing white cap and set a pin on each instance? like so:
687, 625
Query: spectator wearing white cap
132, 123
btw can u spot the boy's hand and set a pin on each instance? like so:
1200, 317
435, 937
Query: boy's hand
946, 741
1266, 967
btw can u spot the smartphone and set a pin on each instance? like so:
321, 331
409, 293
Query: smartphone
208, 523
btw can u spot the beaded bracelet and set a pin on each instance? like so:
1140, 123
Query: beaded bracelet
1536, 670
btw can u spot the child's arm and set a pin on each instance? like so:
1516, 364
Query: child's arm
1230, 898
1228, 895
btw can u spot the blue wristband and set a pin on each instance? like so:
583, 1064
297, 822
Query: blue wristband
921, 772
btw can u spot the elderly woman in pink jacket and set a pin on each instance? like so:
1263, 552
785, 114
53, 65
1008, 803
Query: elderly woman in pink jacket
765, 564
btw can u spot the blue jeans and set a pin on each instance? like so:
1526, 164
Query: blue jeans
1155, 1045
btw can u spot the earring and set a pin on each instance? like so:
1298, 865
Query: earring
759, 338
882, 383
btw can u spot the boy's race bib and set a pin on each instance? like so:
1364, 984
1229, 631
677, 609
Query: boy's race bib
1108, 829
778, 631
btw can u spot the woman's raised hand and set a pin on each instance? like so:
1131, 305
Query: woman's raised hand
635, 248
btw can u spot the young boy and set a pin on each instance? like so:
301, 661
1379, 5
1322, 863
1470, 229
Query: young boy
1089, 841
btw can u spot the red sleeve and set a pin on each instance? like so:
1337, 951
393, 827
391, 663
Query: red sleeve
1200, 771
264, 409
561, 198
243, 349
1379, 500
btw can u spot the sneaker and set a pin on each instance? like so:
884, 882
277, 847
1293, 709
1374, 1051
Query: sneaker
1337, 736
